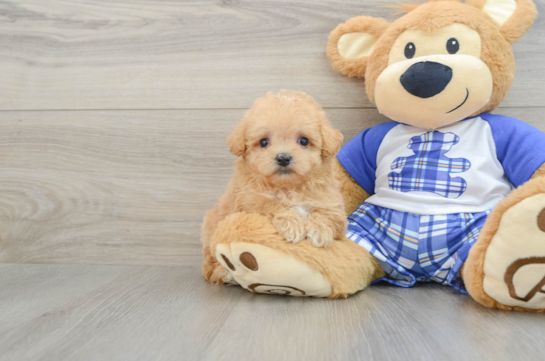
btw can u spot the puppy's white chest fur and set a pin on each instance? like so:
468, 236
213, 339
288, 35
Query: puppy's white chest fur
301, 210
293, 200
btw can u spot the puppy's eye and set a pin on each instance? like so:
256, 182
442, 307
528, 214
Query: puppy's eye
303, 141
453, 46
264, 142
410, 49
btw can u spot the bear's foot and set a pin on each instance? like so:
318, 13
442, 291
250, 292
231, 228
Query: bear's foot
249, 247
261, 269
506, 268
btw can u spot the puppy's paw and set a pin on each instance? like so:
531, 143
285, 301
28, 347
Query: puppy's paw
291, 228
221, 276
319, 235
228, 279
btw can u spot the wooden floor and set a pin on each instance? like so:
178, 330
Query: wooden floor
113, 120
66, 312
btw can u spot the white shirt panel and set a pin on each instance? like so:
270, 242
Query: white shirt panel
485, 182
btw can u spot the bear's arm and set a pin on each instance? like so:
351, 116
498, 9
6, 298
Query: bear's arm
353, 193
356, 163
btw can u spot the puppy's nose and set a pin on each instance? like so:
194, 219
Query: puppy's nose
283, 159
426, 79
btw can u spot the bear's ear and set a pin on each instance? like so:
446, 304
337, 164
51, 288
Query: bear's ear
514, 17
351, 43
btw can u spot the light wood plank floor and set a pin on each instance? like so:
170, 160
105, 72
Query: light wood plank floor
64, 312
113, 120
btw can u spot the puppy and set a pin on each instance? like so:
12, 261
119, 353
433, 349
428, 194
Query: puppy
286, 147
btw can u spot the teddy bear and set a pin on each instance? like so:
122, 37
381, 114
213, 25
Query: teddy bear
446, 192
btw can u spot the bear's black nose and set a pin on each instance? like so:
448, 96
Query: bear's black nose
426, 79
283, 159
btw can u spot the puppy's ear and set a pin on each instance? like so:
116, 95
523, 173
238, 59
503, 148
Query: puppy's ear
350, 44
332, 140
237, 140
514, 17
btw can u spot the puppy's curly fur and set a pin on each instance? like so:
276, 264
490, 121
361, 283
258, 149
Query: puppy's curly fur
303, 199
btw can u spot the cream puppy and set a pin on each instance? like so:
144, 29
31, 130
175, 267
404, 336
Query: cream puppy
286, 148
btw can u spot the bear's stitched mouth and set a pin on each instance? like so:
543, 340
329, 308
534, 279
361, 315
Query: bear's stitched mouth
467, 96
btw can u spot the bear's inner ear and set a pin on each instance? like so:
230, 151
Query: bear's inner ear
355, 45
351, 43
500, 10
514, 17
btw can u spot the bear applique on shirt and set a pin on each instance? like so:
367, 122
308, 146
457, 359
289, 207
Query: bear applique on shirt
429, 169
468, 166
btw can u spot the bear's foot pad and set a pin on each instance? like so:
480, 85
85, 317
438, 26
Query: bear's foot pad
514, 264
261, 269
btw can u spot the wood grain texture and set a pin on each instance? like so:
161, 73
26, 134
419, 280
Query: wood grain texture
123, 187
80, 313
116, 187
165, 54
96, 181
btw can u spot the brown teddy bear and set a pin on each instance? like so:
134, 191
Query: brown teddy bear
446, 192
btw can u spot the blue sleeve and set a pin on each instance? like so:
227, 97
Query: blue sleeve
359, 155
519, 146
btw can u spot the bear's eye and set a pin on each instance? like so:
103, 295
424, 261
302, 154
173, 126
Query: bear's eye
264, 142
410, 49
303, 141
453, 46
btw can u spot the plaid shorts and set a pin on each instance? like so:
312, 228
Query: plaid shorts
413, 247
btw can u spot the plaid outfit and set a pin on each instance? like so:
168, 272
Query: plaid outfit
413, 247
420, 221
429, 169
